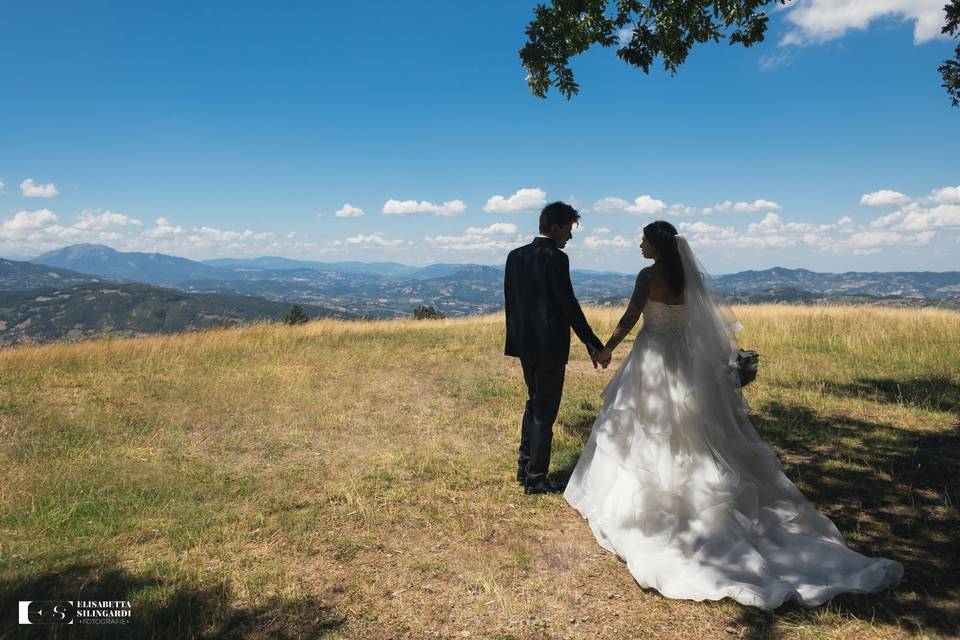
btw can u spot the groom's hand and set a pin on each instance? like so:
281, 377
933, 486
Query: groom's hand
603, 357
593, 355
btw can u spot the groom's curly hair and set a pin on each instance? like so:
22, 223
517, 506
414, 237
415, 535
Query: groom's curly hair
557, 213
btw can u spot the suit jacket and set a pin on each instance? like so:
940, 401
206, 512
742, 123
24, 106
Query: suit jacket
540, 304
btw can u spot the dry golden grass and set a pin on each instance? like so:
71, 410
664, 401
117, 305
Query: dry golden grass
355, 479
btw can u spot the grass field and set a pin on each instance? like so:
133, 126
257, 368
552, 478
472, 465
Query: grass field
356, 480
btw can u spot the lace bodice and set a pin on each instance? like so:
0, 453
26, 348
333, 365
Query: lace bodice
659, 317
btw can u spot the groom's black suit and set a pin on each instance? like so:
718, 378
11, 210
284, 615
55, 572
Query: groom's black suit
541, 308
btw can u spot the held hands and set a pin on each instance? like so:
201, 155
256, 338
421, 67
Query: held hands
604, 357
601, 357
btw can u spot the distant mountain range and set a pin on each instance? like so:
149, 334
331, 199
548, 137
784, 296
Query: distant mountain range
150, 268
390, 269
91, 308
16, 257
929, 285
15, 275
72, 292
162, 269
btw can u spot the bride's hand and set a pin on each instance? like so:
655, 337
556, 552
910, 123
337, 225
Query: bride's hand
604, 356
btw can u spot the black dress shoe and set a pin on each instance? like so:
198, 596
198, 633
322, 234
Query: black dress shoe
544, 486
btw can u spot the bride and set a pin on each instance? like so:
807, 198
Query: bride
674, 479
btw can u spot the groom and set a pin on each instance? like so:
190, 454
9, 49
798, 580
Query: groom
541, 309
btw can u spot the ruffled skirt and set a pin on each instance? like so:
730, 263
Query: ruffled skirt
674, 480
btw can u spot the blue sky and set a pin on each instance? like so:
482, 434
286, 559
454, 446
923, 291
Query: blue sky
241, 129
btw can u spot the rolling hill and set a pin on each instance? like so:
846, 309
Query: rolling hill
128, 309
16, 275
130, 266
270, 284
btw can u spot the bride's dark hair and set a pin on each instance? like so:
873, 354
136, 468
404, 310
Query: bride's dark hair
663, 236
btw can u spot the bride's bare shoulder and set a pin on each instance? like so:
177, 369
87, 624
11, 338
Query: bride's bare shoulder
644, 279
646, 273
654, 274
658, 284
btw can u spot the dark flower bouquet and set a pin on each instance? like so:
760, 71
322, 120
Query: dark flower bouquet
745, 366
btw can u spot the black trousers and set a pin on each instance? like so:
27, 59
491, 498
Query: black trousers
544, 388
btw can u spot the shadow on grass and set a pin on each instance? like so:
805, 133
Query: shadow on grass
563, 469
938, 393
890, 494
184, 611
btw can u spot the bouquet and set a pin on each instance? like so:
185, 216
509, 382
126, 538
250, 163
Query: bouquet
745, 366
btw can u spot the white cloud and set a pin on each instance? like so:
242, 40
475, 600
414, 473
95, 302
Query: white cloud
618, 242
372, 240
610, 204
770, 232
211, 236
39, 231
24, 221
494, 238
204, 240
817, 21
775, 60
30, 189
98, 219
2, 185
701, 228
728, 206
468, 243
772, 223
915, 217
523, 200
625, 35
647, 205
641, 205
680, 209
875, 238
163, 230
946, 195
883, 198
406, 207
703, 234
888, 220
867, 242
601, 230
497, 228
348, 211
887, 198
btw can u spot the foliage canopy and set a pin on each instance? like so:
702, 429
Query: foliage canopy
424, 312
296, 316
660, 28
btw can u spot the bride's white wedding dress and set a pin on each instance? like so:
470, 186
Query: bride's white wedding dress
674, 480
